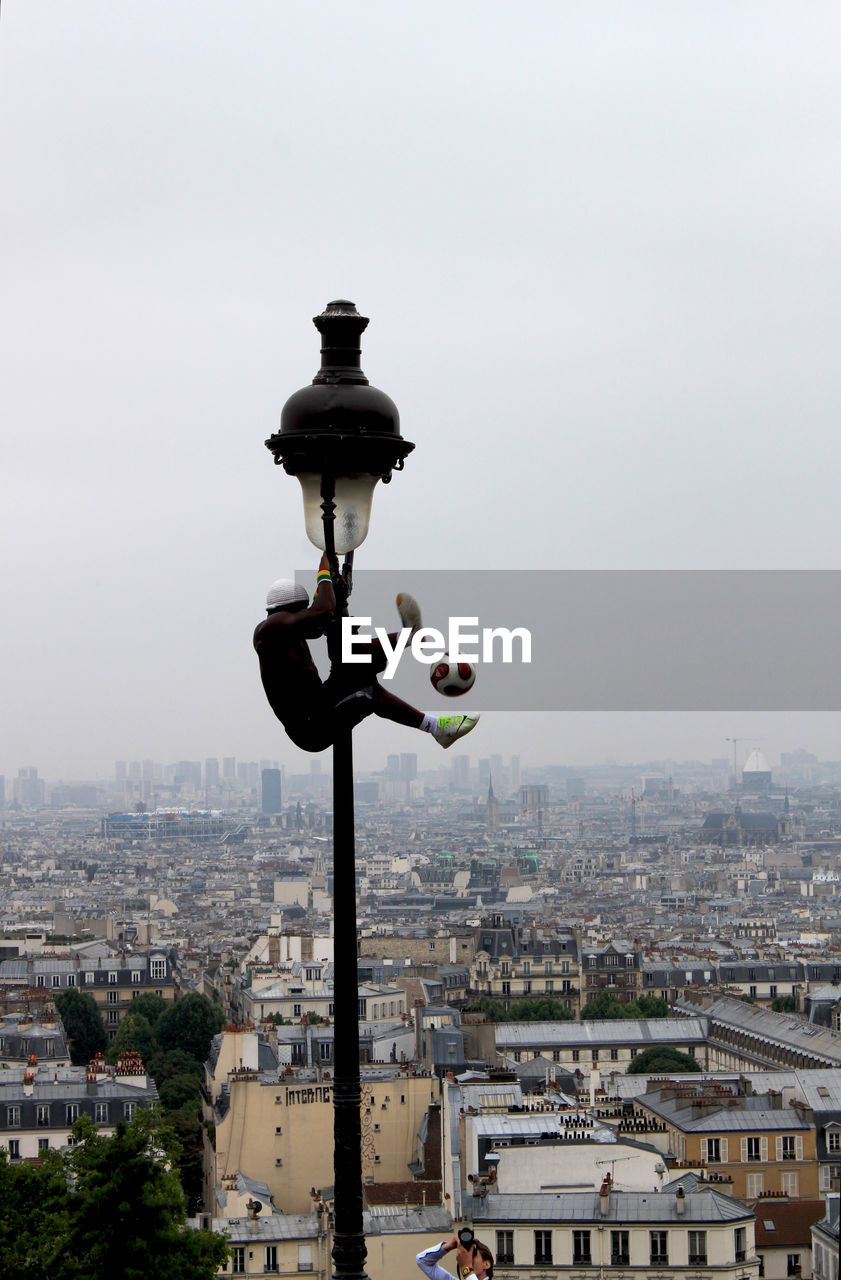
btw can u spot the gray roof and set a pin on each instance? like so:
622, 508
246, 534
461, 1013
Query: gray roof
641, 1031
780, 1028
624, 1207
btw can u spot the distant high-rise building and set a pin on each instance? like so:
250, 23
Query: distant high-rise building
408, 766
252, 776
484, 774
392, 766
29, 789
461, 771
135, 771
514, 774
271, 791
229, 768
120, 770
211, 772
148, 770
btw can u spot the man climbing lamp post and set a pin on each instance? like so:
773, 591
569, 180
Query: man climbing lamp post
339, 436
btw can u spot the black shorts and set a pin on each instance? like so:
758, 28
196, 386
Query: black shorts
346, 698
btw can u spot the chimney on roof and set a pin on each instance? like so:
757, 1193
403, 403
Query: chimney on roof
680, 1202
604, 1196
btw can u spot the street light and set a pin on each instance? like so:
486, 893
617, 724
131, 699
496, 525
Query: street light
340, 436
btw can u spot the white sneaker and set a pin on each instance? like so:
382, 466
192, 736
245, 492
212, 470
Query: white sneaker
450, 728
409, 610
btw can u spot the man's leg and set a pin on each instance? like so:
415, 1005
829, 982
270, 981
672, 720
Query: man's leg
445, 729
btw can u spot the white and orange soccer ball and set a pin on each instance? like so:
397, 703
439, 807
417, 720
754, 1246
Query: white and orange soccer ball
452, 678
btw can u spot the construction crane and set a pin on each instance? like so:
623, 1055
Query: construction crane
736, 741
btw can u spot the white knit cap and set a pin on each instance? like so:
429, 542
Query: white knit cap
285, 591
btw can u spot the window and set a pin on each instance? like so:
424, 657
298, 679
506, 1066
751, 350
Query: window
157, 969
659, 1248
790, 1184
506, 988
89, 976
238, 1259
788, 1148
43, 1144
755, 1185
581, 1247
135, 976
556, 1055
713, 1152
100, 1112
741, 1243
576, 1054
42, 1115
325, 1050
14, 1149
595, 1055
113, 997
296, 1011
129, 1109
526, 988
793, 1265
517, 1055
620, 1249
697, 1248
305, 1257
833, 1140
505, 1248
753, 1148
614, 1055
772, 990
526, 968
13, 1117
113, 1017
542, 1247
549, 985
505, 968
71, 1113
71, 979
113, 978
56, 979
752, 993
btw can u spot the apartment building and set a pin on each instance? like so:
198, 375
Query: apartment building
577, 1046
40, 1104
756, 1144
629, 1233
512, 963
276, 1125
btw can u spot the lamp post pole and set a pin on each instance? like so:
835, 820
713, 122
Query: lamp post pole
339, 436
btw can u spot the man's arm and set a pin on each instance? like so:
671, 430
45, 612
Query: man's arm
427, 1260
308, 623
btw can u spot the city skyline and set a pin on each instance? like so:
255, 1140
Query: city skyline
600, 258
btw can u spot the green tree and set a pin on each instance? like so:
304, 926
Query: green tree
127, 1214
83, 1023
110, 1209
661, 1059
190, 1024
151, 1005
34, 1216
607, 1007
134, 1032
175, 1091
784, 1004
652, 1007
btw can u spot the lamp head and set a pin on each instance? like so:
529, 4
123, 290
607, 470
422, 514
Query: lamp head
340, 427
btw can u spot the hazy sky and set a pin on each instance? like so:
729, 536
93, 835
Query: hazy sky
598, 243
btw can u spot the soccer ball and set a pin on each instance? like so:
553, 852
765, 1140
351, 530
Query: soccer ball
452, 678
